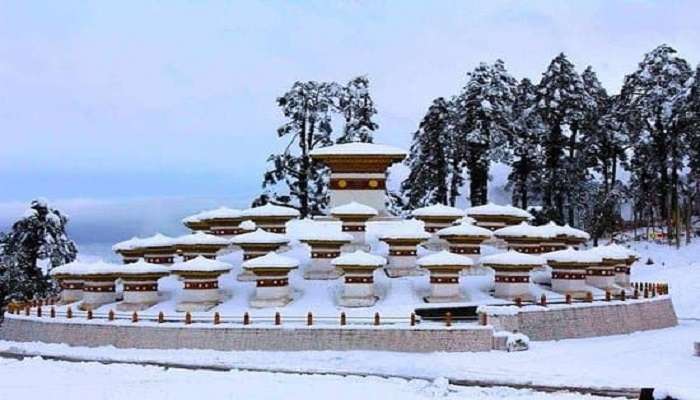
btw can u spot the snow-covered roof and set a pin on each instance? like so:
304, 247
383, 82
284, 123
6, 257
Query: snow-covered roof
198, 238
359, 257
354, 208
444, 257
405, 233
523, 229
438, 210
358, 149
464, 230
259, 236
270, 210
323, 232
553, 230
612, 251
511, 257
247, 225
157, 240
142, 267
569, 255
495, 209
271, 260
127, 244
573, 232
200, 264
87, 268
217, 213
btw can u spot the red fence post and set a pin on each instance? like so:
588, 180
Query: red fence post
343, 319
188, 318
246, 319
217, 318
278, 318
309, 319
376, 319
448, 319
413, 319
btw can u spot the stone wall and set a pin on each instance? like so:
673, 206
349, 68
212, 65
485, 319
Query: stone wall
581, 320
122, 335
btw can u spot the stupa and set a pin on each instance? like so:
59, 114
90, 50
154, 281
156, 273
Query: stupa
256, 244
569, 269
271, 273
200, 244
354, 217
437, 216
201, 283
444, 270
403, 248
325, 244
494, 216
99, 284
222, 221
270, 217
140, 285
465, 238
358, 172
130, 250
69, 277
512, 278
358, 287
523, 237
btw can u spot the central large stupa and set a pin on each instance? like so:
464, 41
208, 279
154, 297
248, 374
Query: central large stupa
358, 172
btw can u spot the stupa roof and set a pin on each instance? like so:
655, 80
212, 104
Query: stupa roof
444, 257
523, 229
270, 210
259, 236
573, 232
612, 252
247, 225
464, 230
142, 267
354, 208
200, 264
323, 232
438, 210
359, 149
359, 257
127, 244
157, 240
217, 213
201, 238
495, 209
87, 268
570, 255
271, 260
511, 257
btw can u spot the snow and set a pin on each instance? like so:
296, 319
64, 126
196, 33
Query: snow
465, 220
353, 208
359, 257
465, 230
611, 252
358, 149
308, 229
200, 264
97, 381
141, 267
271, 260
247, 225
523, 229
402, 233
270, 210
495, 209
201, 238
444, 257
217, 213
573, 232
511, 257
157, 240
259, 236
130, 244
87, 268
569, 255
438, 210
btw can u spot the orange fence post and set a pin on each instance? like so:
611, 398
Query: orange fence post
188, 318
448, 319
376, 318
69, 313
343, 319
161, 317
134, 317
568, 298
217, 318
309, 319
110, 315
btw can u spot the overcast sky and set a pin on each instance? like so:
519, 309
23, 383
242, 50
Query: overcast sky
115, 100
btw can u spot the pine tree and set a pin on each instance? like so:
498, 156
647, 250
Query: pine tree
308, 106
484, 119
653, 98
429, 159
525, 145
357, 108
36, 244
561, 101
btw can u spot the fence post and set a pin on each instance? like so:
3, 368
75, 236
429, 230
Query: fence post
246, 319
376, 319
69, 313
343, 319
635, 294
134, 317
52, 312
217, 318
646, 293
483, 319
543, 300
623, 295
110, 315
607, 295
278, 318
413, 319
589, 297
161, 317
89, 313
448, 319
27, 309
38, 311
568, 298
309, 319
188, 318
518, 302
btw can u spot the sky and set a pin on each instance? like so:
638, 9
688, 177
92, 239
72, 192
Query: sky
113, 103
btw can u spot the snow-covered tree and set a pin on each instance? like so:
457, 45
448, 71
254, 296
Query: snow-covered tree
562, 102
36, 244
525, 145
654, 98
357, 107
483, 122
295, 179
430, 160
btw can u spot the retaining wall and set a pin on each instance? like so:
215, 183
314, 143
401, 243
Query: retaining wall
76, 333
586, 320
